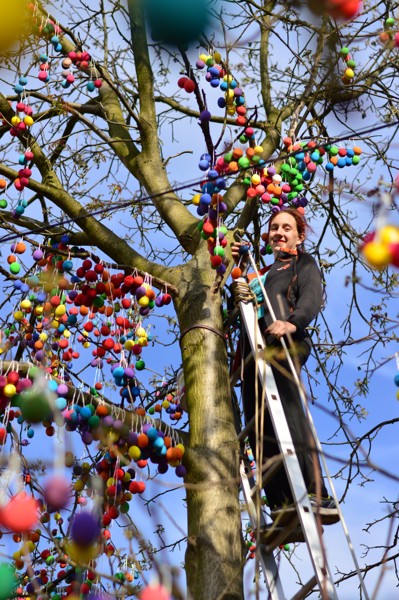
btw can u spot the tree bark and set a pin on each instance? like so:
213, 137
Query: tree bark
214, 556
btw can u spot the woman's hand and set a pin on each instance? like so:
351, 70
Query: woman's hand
239, 251
280, 328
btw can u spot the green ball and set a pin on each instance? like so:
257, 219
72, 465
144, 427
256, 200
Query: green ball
8, 581
3, 204
291, 161
351, 64
344, 51
177, 22
15, 268
93, 421
34, 406
390, 22
140, 365
218, 251
285, 168
355, 160
244, 162
333, 150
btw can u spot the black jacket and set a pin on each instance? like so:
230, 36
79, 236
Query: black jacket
295, 293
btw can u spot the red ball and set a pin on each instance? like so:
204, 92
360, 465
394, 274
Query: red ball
189, 86
181, 82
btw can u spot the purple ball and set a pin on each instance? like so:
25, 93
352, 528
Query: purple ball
181, 471
129, 372
87, 438
85, 529
132, 438
108, 421
205, 116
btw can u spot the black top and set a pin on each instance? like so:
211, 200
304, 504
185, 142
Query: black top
294, 289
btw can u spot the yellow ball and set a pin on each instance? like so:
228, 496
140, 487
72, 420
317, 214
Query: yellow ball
258, 150
228, 78
28, 121
9, 390
25, 304
67, 334
18, 315
255, 179
144, 301
181, 447
217, 57
39, 310
229, 95
349, 73
134, 452
377, 255
129, 344
389, 235
43, 336
141, 332
15, 120
60, 310
196, 199
79, 485
14, 23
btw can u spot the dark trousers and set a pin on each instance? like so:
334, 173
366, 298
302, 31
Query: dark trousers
278, 491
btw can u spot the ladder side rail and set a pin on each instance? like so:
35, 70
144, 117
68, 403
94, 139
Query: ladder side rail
291, 464
268, 562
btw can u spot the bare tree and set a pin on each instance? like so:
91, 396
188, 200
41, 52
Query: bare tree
107, 135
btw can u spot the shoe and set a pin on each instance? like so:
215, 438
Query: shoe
325, 507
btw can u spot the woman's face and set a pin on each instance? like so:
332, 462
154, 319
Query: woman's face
283, 233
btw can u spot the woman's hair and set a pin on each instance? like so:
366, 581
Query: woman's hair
301, 224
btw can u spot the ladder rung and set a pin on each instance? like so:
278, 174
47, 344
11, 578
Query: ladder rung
273, 535
306, 589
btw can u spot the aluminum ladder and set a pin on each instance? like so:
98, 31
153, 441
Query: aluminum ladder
304, 520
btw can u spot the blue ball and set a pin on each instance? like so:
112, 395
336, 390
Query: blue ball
206, 199
341, 162
221, 103
177, 22
329, 166
204, 165
214, 71
396, 379
214, 83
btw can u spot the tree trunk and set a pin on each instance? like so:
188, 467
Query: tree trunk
214, 557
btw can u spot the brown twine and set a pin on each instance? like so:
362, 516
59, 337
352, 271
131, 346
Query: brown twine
208, 327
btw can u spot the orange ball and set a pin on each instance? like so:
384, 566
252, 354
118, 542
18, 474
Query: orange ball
236, 273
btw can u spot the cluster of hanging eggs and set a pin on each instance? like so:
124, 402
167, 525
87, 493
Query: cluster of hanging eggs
350, 64
233, 100
390, 36
381, 248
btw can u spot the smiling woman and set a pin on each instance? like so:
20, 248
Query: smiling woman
293, 285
